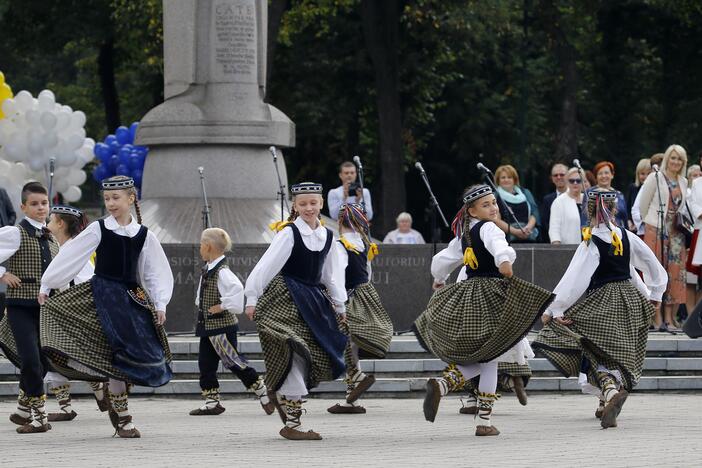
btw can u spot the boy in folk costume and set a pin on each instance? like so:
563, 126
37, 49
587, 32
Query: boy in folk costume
294, 299
28, 250
112, 325
368, 325
602, 338
220, 295
65, 223
477, 322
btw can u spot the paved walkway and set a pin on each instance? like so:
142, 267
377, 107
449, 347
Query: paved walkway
554, 430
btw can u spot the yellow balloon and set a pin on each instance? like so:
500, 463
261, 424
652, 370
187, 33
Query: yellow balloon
5, 93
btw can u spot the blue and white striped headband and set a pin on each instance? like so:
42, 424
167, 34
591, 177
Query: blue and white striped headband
476, 192
67, 210
306, 188
121, 184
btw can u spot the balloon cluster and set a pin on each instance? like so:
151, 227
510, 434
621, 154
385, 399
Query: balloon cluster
37, 131
5, 92
118, 155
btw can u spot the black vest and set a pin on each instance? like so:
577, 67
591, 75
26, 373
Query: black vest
612, 267
117, 257
305, 265
357, 269
486, 262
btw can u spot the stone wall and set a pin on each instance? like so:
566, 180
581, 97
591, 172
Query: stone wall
401, 273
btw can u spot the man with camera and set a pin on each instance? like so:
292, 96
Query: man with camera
348, 192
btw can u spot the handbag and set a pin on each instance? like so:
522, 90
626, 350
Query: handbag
682, 222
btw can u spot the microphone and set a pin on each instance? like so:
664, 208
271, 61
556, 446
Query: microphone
419, 167
357, 160
274, 153
481, 167
200, 170
655, 168
576, 163
51, 166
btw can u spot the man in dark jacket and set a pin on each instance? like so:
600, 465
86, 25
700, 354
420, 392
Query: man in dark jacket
7, 218
558, 173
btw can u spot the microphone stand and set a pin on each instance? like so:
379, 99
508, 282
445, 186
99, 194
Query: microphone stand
281, 186
360, 181
487, 176
661, 222
51, 179
206, 221
434, 207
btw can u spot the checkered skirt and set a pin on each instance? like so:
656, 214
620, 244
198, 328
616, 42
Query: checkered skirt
610, 328
369, 325
479, 319
7, 342
282, 331
70, 329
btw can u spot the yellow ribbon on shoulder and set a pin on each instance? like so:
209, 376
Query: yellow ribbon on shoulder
92, 258
349, 245
469, 259
617, 244
587, 233
277, 226
372, 251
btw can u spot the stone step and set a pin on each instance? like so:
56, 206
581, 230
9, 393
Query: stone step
384, 386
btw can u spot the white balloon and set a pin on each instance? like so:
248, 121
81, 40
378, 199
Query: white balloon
18, 173
6, 129
85, 155
45, 104
72, 194
62, 172
60, 185
9, 107
5, 166
78, 120
13, 151
63, 119
24, 101
76, 177
35, 146
36, 164
32, 117
90, 142
48, 120
47, 93
67, 159
49, 140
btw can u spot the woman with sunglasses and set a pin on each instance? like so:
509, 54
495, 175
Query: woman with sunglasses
565, 211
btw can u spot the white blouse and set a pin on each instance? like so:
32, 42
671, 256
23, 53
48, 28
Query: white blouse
451, 257
84, 274
231, 291
586, 260
277, 254
153, 270
564, 225
10, 239
354, 239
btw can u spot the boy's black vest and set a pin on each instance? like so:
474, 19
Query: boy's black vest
612, 267
213, 324
305, 265
117, 257
486, 262
37, 249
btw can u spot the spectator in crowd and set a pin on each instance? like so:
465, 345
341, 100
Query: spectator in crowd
404, 234
558, 178
667, 241
522, 204
655, 161
694, 210
348, 192
565, 211
643, 169
590, 179
604, 173
7, 212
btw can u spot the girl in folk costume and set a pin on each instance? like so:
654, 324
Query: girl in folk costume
603, 337
112, 325
219, 296
26, 250
478, 322
296, 320
65, 223
367, 324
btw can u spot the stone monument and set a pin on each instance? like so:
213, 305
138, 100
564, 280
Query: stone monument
213, 117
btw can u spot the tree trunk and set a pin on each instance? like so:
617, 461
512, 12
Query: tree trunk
276, 9
381, 30
106, 71
567, 138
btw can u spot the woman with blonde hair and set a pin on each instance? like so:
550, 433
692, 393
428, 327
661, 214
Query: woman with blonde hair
565, 211
667, 189
522, 204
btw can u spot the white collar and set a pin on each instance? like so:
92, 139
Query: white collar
473, 222
320, 231
354, 238
132, 228
34, 223
214, 262
601, 230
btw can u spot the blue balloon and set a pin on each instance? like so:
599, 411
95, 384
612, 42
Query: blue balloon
109, 139
129, 146
138, 175
135, 161
124, 154
133, 129
122, 169
99, 173
102, 151
123, 135
113, 162
115, 147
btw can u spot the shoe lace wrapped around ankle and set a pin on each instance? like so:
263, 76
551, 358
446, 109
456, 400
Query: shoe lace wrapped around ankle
454, 378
